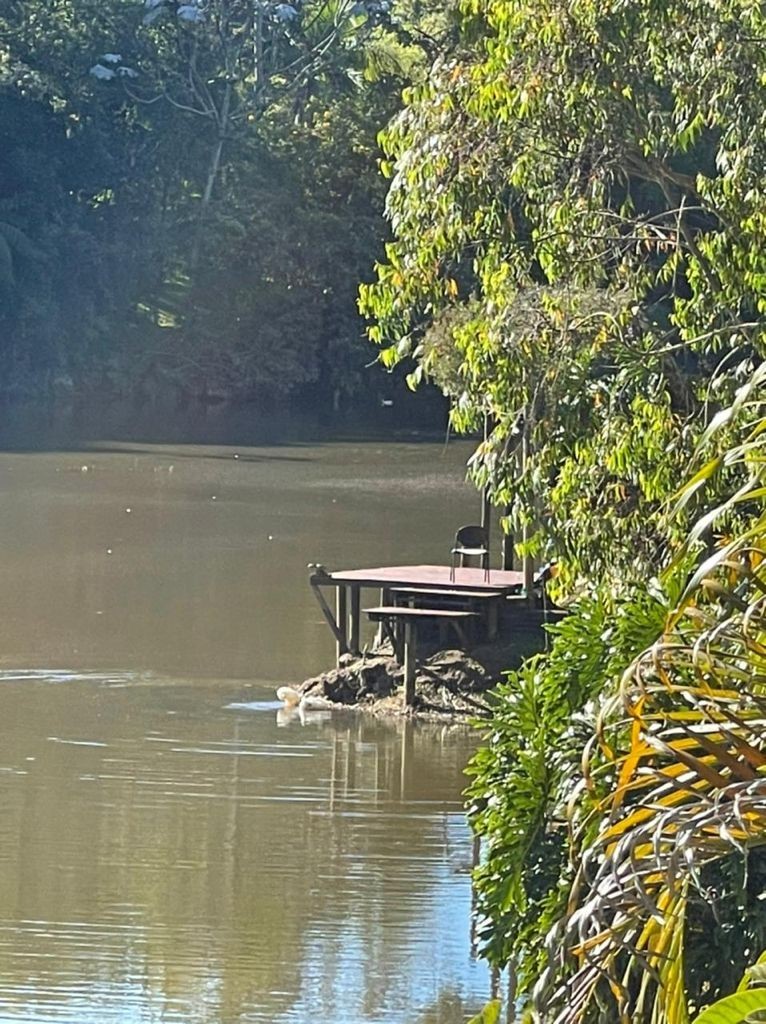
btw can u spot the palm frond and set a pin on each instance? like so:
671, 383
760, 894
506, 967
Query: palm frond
689, 785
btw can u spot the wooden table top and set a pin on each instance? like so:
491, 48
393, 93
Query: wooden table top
430, 577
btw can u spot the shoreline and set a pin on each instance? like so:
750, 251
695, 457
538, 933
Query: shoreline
449, 684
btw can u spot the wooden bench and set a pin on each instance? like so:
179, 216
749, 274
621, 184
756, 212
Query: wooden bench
410, 617
461, 598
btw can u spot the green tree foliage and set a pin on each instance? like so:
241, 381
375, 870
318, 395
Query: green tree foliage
575, 201
625, 811
155, 233
578, 260
524, 774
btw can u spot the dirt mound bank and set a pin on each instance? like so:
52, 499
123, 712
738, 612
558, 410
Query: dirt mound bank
447, 683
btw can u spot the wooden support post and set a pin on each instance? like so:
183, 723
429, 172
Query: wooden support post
508, 552
529, 579
410, 657
385, 599
325, 609
492, 614
341, 646
398, 640
355, 620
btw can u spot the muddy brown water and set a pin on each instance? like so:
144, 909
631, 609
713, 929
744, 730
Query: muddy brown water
171, 849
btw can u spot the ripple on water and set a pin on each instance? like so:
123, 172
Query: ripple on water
214, 867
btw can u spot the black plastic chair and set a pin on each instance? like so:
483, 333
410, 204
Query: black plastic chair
471, 541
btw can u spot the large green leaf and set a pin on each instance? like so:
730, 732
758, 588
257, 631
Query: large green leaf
734, 1009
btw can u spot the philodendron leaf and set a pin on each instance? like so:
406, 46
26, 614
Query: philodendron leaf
734, 1009
490, 1014
755, 975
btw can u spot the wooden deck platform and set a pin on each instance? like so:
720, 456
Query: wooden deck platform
348, 584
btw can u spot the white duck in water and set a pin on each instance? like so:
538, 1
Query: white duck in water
293, 700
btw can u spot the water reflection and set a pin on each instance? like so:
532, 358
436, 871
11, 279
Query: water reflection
169, 852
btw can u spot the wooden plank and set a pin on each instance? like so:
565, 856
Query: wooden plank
355, 619
508, 551
460, 598
397, 612
321, 579
473, 595
410, 616
341, 645
326, 611
435, 577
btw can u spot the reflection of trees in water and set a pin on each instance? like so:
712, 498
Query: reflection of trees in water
386, 827
210, 859
449, 1008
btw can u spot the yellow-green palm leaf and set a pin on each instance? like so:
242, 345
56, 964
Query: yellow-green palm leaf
688, 788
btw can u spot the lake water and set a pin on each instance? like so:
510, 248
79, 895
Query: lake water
170, 848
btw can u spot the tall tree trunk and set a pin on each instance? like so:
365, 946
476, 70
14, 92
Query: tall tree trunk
212, 175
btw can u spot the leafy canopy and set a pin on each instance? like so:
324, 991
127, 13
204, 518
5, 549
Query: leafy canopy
576, 203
